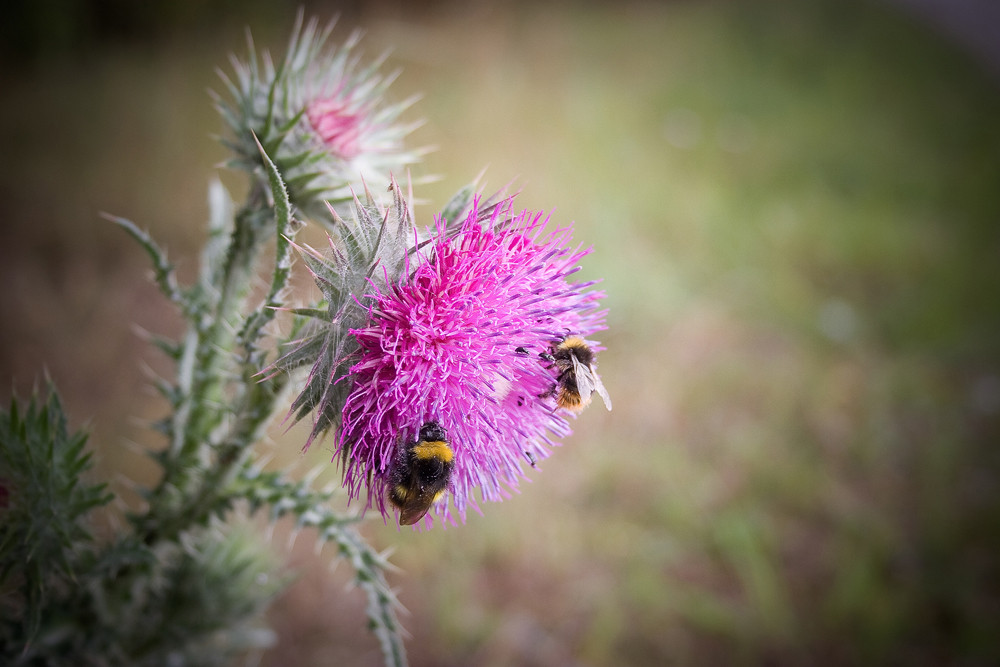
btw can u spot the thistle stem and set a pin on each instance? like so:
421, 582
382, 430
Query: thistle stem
186, 495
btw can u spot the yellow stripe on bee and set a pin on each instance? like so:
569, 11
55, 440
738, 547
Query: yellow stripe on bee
573, 341
435, 449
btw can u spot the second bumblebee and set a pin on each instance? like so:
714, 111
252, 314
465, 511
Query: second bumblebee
577, 379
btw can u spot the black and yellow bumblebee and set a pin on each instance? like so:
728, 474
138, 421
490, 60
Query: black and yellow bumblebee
421, 474
577, 378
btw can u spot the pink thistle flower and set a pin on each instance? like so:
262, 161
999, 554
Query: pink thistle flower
322, 116
338, 127
463, 343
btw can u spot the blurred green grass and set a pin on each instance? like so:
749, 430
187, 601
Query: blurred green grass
794, 211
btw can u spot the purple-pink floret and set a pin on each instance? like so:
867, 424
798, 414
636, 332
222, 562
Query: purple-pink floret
459, 342
339, 128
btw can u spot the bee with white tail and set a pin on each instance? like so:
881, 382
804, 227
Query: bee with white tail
577, 377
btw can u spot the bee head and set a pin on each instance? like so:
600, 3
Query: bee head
433, 432
577, 347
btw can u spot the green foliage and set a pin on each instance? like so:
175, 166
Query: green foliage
69, 600
179, 584
310, 510
43, 505
209, 465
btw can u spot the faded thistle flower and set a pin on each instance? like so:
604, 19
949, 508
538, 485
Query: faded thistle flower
456, 341
321, 116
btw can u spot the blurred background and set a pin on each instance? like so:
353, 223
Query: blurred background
794, 208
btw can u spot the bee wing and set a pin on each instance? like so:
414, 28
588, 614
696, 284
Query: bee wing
599, 387
588, 381
414, 510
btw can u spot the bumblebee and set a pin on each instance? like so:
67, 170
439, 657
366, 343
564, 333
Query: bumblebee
577, 378
421, 474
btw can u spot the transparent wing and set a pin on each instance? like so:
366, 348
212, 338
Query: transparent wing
588, 381
602, 392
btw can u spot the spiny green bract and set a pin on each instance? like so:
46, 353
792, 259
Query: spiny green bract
366, 250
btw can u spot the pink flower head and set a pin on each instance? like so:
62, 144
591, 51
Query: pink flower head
322, 115
338, 126
463, 342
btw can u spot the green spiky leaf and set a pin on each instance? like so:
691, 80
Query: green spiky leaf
45, 500
163, 269
284, 233
311, 509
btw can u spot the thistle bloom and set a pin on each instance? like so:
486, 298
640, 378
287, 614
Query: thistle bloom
463, 341
321, 117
